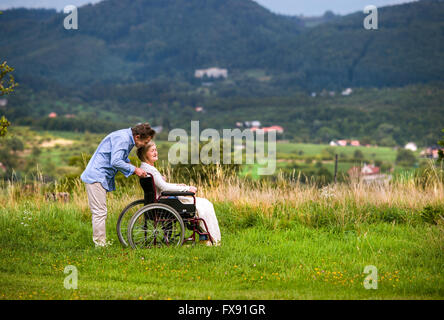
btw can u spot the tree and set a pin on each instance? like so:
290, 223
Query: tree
440, 152
15, 144
4, 124
6, 70
358, 155
7, 88
405, 157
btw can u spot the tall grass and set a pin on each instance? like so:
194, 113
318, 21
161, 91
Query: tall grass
269, 200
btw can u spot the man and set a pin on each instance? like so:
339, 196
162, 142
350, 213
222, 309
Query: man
111, 156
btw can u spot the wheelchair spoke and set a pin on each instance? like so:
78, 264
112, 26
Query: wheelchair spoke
155, 228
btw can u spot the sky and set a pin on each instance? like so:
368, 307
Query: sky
289, 7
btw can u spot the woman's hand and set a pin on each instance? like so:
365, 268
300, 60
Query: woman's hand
192, 189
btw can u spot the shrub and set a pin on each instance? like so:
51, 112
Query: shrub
431, 214
405, 158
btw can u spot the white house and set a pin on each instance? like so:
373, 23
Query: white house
255, 123
411, 146
211, 73
347, 92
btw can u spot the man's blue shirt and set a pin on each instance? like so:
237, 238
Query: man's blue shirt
111, 156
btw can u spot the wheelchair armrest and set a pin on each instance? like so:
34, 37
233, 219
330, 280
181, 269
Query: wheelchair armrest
177, 193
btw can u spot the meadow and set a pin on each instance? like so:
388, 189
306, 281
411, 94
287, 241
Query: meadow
281, 240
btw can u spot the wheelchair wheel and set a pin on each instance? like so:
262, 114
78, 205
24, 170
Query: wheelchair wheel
156, 225
124, 218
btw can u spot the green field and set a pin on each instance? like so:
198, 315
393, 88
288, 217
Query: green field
255, 261
56, 160
371, 153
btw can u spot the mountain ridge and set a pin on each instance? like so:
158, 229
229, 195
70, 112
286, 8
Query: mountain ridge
139, 40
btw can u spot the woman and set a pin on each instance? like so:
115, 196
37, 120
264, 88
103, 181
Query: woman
205, 210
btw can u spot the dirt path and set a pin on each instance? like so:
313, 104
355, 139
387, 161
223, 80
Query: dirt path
53, 143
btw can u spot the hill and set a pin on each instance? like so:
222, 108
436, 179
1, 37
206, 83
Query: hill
127, 40
133, 61
139, 40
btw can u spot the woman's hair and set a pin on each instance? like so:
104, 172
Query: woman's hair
143, 130
141, 152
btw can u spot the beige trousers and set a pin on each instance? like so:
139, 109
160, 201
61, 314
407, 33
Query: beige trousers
97, 203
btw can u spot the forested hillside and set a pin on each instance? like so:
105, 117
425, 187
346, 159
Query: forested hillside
134, 60
138, 40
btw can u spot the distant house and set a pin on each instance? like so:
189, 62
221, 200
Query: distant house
211, 73
52, 115
368, 174
251, 124
199, 109
344, 143
255, 123
3, 102
347, 92
368, 170
278, 129
431, 152
411, 146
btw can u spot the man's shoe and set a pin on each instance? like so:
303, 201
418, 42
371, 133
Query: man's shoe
103, 244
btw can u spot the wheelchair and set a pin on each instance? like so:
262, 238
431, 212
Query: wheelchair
157, 221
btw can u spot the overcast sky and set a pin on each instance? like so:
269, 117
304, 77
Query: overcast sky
292, 7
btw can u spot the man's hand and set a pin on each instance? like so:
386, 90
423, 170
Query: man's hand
192, 189
140, 173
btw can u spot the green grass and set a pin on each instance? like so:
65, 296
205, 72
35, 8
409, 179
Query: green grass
371, 153
259, 259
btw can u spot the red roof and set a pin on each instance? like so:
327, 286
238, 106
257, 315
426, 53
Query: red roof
268, 129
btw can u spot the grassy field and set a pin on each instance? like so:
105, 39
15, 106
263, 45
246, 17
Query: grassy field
371, 153
280, 241
57, 148
281, 238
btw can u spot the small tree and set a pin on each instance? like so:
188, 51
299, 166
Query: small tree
6, 88
4, 124
358, 155
405, 157
440, 152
